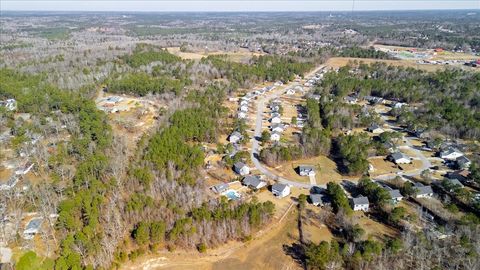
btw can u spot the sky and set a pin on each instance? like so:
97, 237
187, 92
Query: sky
235, 5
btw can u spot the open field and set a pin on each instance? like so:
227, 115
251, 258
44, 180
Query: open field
337, 62
374, 228
242, 55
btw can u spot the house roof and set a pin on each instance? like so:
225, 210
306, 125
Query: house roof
455, 181
236, 134
251, 180
34, 225
360, 200
239, 165
424, 190
305, 168
220, 187
450, 150
374, 126
399, 155
318, 198
462, 160
395, 193
279, 187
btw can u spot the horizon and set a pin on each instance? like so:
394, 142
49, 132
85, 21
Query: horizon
227, 6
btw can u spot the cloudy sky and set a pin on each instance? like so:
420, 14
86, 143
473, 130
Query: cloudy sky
237, 5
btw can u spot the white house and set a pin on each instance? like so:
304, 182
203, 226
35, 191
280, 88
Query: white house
463, 162
244, 108
423, 191
360, 204
290, 91
450, 153
10, 104
235, 137
319, 199
244, 103
32, 228
351, 100
399, 158
241, 168
376, 129
395, 196
280, 190
242, 115
278, 128
275, 136
276, 120
306, 170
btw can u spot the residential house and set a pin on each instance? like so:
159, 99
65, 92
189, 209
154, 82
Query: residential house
243, 108
450, 153
253, 182
423, 191
276, 120
398, 105
290, 91
306, 170
395, 196
275, 136
319, 199
454, 183
241, 168
463, 162
351, 100
242, 115
360, 203
280, 190
375, 128
10, 104
389, 146
278, 127
32, 228
220, 188
235, 137
243, 102
399, 158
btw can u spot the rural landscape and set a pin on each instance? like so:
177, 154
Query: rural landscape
240, 140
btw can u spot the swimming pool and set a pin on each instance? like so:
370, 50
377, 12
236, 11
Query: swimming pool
232, 194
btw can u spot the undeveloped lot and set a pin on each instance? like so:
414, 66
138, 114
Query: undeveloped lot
241, 55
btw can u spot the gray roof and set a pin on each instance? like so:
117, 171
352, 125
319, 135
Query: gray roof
220, 187
239, 165
237, 134
454, 181
373, 127
251, 180
279, 187
34, 224
399, 155
395, 193
450, 150
305, 168
318, 198
424, 190
360, 200
463, 160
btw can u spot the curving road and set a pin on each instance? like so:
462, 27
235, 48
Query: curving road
254, 151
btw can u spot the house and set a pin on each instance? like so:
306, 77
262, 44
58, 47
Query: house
280, 190
375, 128
278, 127
360, 204
458, 175
275, 114
373, 100
275, 108
275, 136
235, 137
463, 162
25, 169
10, 104
290, 91
319, 199
244, 103
32, 228
450, 153
350, 100
243, 108
454, 183
389, 146
395, 196
423, 191
253, 182
242, 115
315, 97
306, 170
241, 168
399, 158
398, 105
276, 120
220, 188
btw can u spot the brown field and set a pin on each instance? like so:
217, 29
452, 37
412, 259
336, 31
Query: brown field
337, 62
373, 228
242, 55
326, 170
382, 166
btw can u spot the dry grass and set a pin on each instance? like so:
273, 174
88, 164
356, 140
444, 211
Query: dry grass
373, 228
326, 170
382, 166
242, 55
337, 62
